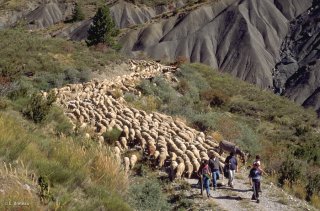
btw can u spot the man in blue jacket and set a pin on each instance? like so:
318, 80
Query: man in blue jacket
255, 177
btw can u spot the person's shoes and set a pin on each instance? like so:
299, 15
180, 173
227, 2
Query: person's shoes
253, 198
209, 196
231, 186
258, 201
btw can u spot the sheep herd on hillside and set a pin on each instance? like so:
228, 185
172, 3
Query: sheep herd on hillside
163, 139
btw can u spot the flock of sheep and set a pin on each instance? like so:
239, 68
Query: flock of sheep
165, 140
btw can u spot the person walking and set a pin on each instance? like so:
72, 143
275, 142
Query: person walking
255, 177
258, 160
199, 174
232, 165
206, 175
215, 167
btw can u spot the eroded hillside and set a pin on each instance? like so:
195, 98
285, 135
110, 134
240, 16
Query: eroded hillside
296, 76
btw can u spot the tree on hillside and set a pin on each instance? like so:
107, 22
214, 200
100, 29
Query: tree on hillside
102, 29
78, 14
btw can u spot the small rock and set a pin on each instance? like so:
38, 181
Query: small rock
27, 187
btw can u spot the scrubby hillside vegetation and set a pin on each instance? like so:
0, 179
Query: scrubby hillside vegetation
37, 140
54, 163
285, 134
44, 159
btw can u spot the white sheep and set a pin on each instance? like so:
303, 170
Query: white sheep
133, 160
180, 168
123, 142
126, 164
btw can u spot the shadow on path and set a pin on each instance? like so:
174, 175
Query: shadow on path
236, 190
237, 198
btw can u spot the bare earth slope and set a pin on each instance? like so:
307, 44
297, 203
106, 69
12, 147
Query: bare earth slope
297, 74
239, 37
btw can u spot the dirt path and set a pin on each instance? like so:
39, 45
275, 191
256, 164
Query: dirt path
239, 198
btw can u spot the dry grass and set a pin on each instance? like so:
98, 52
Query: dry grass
315, 201
66, 163
18, 188
13, 4
217, 136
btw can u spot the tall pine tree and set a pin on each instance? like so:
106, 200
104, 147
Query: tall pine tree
102, 29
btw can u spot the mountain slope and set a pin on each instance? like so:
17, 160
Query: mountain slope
297, 73
239, 37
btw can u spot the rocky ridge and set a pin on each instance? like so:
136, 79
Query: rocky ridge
296, 75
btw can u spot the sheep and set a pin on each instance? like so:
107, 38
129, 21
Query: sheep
92, 104
132, 134
101, 128
173, 156
126, 164
195, 151
196, 164
133, 160
118, 144
162, 157
173, 167
117, 154
211, 142
151, 149
156, 155
189, 168
126, 131
123, 142
180, 168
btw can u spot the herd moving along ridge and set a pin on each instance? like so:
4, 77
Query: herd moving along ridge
162, 138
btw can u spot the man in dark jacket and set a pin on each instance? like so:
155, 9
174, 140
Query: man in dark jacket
232, 165
215, 167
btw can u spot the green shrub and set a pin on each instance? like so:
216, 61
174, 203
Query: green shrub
38, 107
3, 103
214, 97
290, 171
141, 170
78, 14
148, 103
129, 97
148, 195
58, 120
110, 137
183, 86
313, 186
185, 203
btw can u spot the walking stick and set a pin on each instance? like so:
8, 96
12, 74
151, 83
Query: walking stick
201, 179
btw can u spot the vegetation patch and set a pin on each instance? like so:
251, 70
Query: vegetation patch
283, 133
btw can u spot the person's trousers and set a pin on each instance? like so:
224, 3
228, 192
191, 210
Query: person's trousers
215, 177
256, 188
231, 177
206, 184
